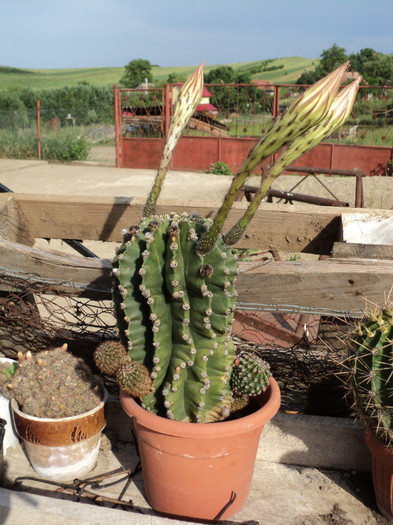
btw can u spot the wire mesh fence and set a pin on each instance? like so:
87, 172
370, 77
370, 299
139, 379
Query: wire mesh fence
302, 351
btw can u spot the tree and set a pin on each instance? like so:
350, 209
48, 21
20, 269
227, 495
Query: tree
136, 72
375, 68
220, 75
331, 58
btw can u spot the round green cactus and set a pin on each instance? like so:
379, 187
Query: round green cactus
109, 356
250, 375
134, 378
370, 367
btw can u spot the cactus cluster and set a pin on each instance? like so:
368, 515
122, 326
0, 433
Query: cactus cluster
370, 371
174, 275
53, 384
112, 359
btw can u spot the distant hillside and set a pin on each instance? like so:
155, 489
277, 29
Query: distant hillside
14, 78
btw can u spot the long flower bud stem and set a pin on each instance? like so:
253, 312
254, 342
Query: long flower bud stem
338, 113
309, 109
186, 104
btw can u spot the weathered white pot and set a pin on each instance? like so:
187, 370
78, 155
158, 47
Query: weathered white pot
61, 449
11, 438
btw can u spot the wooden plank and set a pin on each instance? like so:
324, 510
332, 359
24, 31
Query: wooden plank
13, 223
345, 250
367, 228
102, 218
334, 286
54, 271
321, 286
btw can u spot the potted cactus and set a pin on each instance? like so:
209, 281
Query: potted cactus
369, 372
58, 410
174, 298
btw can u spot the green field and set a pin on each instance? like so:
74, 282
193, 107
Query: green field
11, 78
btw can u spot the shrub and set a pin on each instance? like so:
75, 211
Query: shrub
65, 147
220, 168
17, 145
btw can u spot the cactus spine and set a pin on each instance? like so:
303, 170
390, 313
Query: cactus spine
370, 367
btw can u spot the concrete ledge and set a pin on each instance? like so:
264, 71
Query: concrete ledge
19, 508
315, 441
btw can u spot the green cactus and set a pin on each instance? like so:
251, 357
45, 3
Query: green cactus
109, 356
370, 366
187, 301
250, 375
134, 378
174, 275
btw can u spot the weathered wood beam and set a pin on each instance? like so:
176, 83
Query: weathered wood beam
333, 286
102, 218
352, 250
13, 223
47, 270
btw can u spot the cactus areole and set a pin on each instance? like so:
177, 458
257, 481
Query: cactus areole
174, 275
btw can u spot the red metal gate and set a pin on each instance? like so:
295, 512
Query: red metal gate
228, 134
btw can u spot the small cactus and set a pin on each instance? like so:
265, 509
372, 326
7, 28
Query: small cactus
134, 378
370, 371
53, 384
109, 356
250, 375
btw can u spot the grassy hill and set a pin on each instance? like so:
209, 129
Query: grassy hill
13, 78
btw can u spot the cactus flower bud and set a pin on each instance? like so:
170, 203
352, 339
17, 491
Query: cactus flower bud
338, 112
308, 110
189, 97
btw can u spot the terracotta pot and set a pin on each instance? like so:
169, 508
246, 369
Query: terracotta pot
382, 472
194, 470
61, 449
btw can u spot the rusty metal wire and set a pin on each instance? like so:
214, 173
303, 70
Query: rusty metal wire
32, 318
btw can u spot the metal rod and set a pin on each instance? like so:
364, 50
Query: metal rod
288, 196
38, 130
324, 171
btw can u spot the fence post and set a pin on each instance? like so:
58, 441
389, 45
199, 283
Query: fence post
117, 124
38, 130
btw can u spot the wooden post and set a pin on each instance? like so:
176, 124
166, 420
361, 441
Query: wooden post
38, 130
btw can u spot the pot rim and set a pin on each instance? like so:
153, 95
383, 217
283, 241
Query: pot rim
375, 444
16, 409
270, 401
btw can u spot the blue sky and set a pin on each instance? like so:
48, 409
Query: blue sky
46, 34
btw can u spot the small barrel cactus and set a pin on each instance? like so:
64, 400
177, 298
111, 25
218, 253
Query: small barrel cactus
174, 275
250, 375
370, 367
109, 356
53, 384
134, 378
